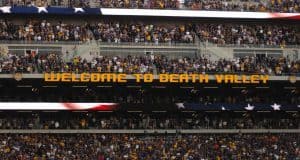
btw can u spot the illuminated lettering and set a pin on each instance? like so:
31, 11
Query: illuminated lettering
193, 77
163, 78
237, 79
174, 78
183, 78
95, 77
108, 77
219, 78
254, 79
74, 78
138, 77
228, 78
203, 77
122, 78
148, 78
52, 77
66, 77
84, 77
245, 79
264, 78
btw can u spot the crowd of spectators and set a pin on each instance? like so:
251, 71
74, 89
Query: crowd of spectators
244, 6
116, 32
38, 31
39, 63
124, 120
287, 6
140, 32
249, 34
44, 31
248, 64
46, 3
133, 147
30, 63
28, 3
160, 98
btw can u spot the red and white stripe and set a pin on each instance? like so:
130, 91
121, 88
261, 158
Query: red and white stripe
198, 14
58, 106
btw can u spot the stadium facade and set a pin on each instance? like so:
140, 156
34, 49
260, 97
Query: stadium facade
149, 79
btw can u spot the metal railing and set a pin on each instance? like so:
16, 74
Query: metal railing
43, 42
98, 43
252, 46
180, 44
149, 131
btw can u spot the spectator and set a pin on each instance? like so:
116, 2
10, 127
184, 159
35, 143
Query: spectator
115, 146
196, 120
30, 63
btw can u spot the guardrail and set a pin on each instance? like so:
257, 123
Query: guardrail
250, 46
146, 44
148, 131
43, 42
93, 42
203, 44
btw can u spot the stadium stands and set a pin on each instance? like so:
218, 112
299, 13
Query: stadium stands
32, 63
266, 65
140, 120
129, 147
103, 119
34, 30
148, 97
118, 32
248, 34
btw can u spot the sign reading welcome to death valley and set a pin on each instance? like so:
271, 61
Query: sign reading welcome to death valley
162, 78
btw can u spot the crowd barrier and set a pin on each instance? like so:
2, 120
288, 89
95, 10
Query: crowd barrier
148, 131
